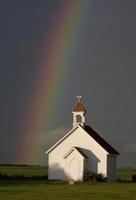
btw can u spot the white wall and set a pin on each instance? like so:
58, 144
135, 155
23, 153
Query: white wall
74, 166
80, 139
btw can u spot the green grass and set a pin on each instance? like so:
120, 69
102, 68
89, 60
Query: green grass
126, 173
28, 171
40, 189
23, 170
84, 191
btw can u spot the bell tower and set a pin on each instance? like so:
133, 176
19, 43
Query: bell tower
79, 113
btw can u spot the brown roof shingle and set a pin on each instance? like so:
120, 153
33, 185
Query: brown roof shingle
100, 140
79, 108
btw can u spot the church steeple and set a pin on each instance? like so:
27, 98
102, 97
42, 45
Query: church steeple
78, 113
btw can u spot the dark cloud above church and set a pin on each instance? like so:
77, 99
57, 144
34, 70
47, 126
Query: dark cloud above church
103, 72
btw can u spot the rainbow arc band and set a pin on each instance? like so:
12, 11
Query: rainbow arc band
50, 81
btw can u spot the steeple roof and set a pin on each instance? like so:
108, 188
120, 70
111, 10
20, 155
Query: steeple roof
79, 107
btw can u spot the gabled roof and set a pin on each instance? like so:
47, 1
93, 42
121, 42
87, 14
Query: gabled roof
92, 134
79, 151
100, 140
79, 108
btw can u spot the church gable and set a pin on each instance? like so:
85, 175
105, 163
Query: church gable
79, 123
79, 150
95, 136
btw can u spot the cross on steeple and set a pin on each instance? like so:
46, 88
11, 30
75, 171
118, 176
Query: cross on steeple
79, 98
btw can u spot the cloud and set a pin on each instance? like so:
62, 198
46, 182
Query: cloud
130, 147
54, 135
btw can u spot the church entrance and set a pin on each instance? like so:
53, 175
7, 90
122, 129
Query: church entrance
74, 169
74, 164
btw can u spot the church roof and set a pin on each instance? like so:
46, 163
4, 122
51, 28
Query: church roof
79, 108
100, 140
92, 134
79, 151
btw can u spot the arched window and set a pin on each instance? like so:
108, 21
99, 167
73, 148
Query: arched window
78, 118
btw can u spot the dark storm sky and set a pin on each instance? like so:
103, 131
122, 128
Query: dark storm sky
105, 74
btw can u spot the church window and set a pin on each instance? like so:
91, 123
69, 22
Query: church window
78, 118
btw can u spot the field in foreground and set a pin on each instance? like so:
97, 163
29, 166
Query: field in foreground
39, 189
57, 191
29, 171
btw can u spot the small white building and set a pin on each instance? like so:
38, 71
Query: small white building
81, 150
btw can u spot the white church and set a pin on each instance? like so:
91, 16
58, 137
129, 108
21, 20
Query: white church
81, 150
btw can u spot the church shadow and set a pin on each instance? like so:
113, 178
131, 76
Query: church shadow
56, 172
91, 163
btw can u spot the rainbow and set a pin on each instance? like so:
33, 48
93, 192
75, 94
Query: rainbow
50, 80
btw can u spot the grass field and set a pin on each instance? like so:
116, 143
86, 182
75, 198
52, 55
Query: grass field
39, 189
87, 191
126, 173
23, 170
